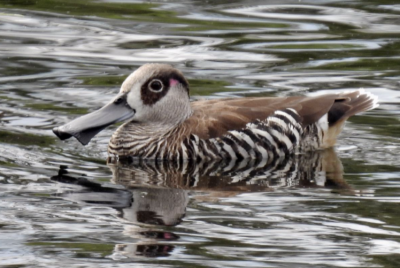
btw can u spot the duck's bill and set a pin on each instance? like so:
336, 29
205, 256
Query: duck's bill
84, 128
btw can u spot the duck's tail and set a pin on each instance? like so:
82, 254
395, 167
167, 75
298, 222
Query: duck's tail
347, 104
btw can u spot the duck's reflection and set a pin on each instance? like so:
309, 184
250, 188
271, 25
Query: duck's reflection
156, 193
156, 206
314, 169
149, 208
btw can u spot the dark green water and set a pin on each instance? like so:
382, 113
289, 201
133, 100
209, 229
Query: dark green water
60, 59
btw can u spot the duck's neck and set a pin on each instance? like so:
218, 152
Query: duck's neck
146, 140
155, 136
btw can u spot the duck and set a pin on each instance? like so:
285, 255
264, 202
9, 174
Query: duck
161, 123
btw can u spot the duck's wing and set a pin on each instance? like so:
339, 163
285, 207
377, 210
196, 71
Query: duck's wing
213, 118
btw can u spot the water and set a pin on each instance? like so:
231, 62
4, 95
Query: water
62, 205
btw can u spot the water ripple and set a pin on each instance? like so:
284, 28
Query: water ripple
61, 61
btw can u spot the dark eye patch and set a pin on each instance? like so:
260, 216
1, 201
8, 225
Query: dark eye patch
151, 92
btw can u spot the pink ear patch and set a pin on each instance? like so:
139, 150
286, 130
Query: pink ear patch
173, 82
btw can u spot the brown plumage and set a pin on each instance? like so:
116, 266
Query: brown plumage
214, 118
163, 124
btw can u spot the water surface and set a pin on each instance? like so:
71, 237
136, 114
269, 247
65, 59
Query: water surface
62, 205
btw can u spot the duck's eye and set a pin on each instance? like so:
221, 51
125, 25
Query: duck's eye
156, 85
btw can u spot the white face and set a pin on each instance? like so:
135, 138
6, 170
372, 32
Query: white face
158, 93
134, 98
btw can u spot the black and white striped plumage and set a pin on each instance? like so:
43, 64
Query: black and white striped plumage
163, 124
274, 137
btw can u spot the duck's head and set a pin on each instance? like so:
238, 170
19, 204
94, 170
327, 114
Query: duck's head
154, 94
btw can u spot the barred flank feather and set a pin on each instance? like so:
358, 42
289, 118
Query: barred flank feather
280, 134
